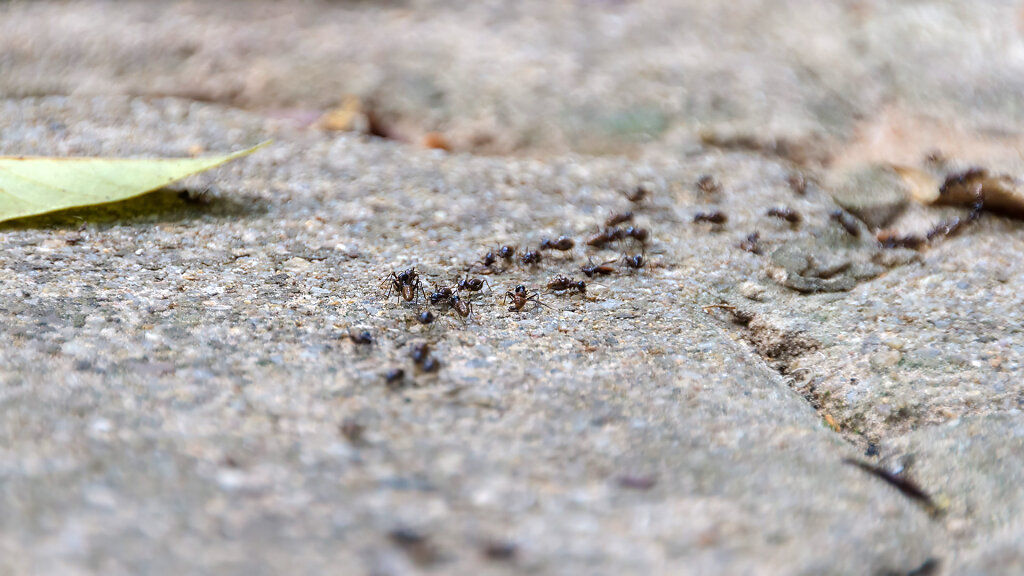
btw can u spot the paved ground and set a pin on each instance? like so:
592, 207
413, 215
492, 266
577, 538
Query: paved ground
179, 392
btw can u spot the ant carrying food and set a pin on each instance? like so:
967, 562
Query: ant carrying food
405, 283
620, 218
603, 268
563, 283
520, 296
563, 243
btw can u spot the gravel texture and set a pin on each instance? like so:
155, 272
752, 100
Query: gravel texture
181, 392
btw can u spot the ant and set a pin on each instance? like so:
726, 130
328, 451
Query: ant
531, 257
620, 218
419, 352
441, 296
638, 234
563, 243
953, 226
489, 259
893, 240
605, 236
472, 284
560, 283
708, 184
431, 364
393, 378
752, 243
714, 217
849, 223
520, 297
797, 183
637, 195
405, 283
636, 261
603, 268
445, 296
786, 213
363, 337
461, 307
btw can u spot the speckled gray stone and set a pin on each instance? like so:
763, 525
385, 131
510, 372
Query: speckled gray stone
175, 376
178, 392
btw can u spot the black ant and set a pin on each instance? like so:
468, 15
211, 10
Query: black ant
419, 352
394, 378
531, 257
441, 296
561, 283
603, 268
714, 217
363, 337
405, 283
636, 261
786, 213
638, 234
563, 243
708, 184
486, 262
445, 296
616, 219
849, 223
605, 236
752, 243
431, 364
520, 297
472, 284
491, 258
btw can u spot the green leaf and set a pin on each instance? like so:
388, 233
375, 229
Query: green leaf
32, 186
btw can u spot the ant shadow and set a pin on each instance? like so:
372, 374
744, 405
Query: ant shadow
158, 207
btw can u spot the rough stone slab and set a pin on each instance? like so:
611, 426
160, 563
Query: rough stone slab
174, 375
582, 75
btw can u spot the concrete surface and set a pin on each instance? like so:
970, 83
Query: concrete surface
179, 392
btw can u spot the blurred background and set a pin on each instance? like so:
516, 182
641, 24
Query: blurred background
837, 82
